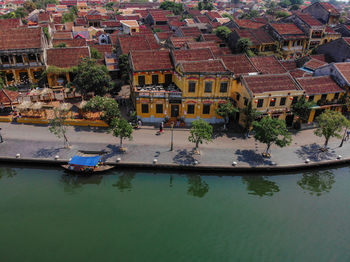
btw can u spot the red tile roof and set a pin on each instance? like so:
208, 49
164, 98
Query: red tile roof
289, 64
329, 7
205, 66
164, 35
10, 23
308, 19
179, 42
190, 31
62, 35
211, 37
159, 15
212, 15
177, 23
256, 36
20, 38
313, 64
238, 64
245, 23
66, 57
43, 17
70, 42
267, 65
319, 85
150, 60
203, 19
110, 23
320, 57
136, 42
103, 49
287, 29
344, 69
192, 55
7, 96
270, 83
329, 30
347, 39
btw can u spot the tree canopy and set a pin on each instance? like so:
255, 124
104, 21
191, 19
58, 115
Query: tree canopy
58, 127
250, 114
108, 106
94, 53
271, 131
175, 8
205, 5
121, 129
200, 132
226, 110
123, 62
91, 77
302, 108
223, 32
243, 45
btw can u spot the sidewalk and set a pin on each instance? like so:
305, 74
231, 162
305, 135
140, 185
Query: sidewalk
37, 142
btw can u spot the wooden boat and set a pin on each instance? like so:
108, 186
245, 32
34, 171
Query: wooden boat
86, 164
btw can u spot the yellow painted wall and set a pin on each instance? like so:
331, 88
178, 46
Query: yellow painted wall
148, 77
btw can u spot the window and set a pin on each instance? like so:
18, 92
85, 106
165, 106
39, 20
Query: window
191, 87
311, 98
283, 101
206, 109
295, 100
260, 102
336, 95
9, 77
245, 101
19, 59
223, 87
272, 101
238, 96
144, 108
37, 74
5, 59
155, 79
168, 79
159, 109
141, 80
324, 97
208, 87
190, 109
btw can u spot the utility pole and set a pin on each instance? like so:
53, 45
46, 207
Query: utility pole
172, 137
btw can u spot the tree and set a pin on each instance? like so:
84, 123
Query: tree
175, 8
243, 45
121, 129
302, 110
60, 45
108, 106
123, 62
227, 15
205, 5
250, 115
29, 6
271, 131
285, 3
260, 186
317, 182
226, 110
91, 77
330, 124
200, 132
250, 14
58, 127
281, 14
68, 17
109, 6
94, 53
41, 4
223, 32
196, 186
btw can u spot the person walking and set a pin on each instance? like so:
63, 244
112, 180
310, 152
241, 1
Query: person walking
161, 125
1, 140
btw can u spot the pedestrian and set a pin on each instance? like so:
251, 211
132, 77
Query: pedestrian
1, 140
347, 135
161, 127
139, 124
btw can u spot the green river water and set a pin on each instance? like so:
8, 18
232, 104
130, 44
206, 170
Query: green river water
47, 215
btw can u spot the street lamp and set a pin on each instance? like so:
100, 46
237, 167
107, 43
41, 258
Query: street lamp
172, 137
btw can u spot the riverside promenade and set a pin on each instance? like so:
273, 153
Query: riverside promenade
36, 142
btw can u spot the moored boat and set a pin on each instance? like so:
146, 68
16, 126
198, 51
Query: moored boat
86, 164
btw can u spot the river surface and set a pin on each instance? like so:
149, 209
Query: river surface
47, 215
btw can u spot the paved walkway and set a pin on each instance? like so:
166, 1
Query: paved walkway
37, 142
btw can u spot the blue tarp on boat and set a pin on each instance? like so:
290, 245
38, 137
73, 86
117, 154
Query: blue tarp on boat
85, 160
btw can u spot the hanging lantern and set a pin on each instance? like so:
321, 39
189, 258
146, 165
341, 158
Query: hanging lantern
272, 99
255, 101
307, 97
291, 98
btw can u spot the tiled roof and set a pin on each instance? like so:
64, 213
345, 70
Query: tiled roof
164, 35
62, 35
177, 23
344, 69
20, 38
267, 65
212, 15
161, 27
347, 40
136, 42
287, 29
43, 17
313, 64
203, 19
110, 23
319, 85
10, 23
80, 21
238, 64
308, 19
329, 30
256, 36
103, 49
329, 7
129, 23
320, 57
151, 60
159, 15
70, 42
7, 96
245, 23
179, 42
190, 31
204, 66
296, 73
211, 37
270, 83
66, 57
192, 55
289, 64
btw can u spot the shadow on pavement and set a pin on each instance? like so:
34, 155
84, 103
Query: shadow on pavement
90, 129
184, 157
314, 153
251, 157
47, 152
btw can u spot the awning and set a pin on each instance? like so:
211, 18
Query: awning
85, 160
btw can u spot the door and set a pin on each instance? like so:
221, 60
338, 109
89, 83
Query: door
168, 79
174, 110
289, 120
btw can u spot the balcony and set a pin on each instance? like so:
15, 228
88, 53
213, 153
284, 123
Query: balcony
170, 91
329, 102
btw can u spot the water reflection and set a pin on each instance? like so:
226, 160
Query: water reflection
74, 183
7, 172
317, 182
124, 182
196, 186
260, 186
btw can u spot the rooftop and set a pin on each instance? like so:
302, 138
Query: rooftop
245, 23
66, 57
20, 38
287, 29
319, 85
268, 65
238, 64
313, 64
344, 69
192, 55
204, 66
308, 19
151, 60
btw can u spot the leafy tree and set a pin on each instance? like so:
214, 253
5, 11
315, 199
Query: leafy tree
330, 124
285, 3
272, 131
91, 77
200, 132
29, 6
121, 129
243, 45
249, 15
260, 186
236, 2
58, 127
41, 4
227, 15
205, 5
196, 186
226, 110
2, 81
124, 182
294, 8
223, 32
250, 115
60, 45
94, 53
69, 17
123, 62
109, 6
281, 14
108, 106
302, 109
317, 182
296, 2
175, 8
